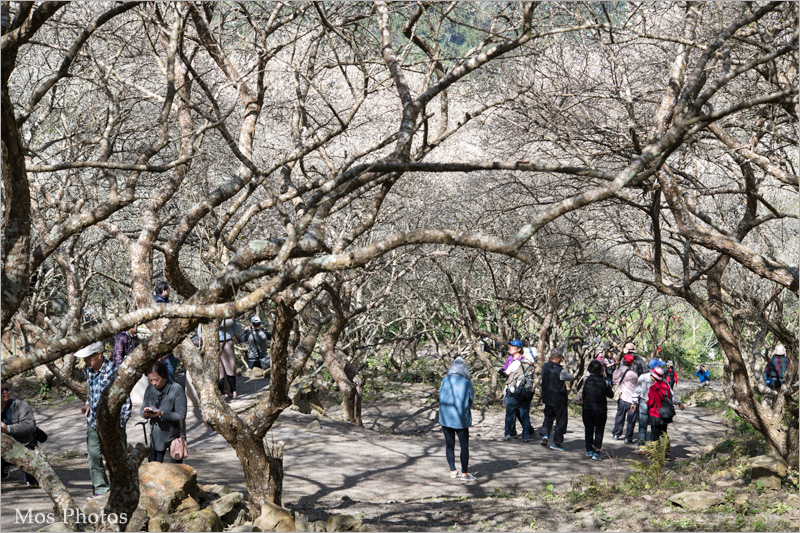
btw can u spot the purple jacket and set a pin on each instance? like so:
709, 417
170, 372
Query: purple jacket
124, 344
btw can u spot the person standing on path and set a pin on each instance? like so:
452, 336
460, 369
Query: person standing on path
18, 422
776, 368
164, 406
554, 396
639, 403
671, 375
257, 344
100, 372
455, 399
655, 398
229, 330
516, 408
596, 391
638, 365
162, 297
625, 377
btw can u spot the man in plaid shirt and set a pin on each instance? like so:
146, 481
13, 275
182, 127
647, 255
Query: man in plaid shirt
776, 368
100, 372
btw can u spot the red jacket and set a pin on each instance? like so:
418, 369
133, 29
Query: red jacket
671, 373
658, 391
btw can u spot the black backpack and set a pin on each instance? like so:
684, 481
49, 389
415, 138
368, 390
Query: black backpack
667, 410
523, 391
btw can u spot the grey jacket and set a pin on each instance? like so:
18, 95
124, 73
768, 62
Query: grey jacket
23, 423
257, 344
173, 402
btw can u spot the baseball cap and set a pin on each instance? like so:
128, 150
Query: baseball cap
628, 359
255, 320
93, 348
654, 363
780, 350
516, 342
657, 373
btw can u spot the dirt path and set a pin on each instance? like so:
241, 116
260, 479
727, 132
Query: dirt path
392, 472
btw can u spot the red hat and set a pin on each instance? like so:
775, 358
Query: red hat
628, 359
657, 373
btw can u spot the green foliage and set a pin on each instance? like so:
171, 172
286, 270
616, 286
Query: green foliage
647, 475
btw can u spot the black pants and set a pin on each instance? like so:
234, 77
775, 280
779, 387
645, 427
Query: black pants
659, 428
594, 425
557, 416
231, 383
623, 412
450, 447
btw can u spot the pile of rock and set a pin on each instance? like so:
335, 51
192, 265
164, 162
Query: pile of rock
171, 500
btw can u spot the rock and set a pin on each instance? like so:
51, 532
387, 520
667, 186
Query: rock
138, 520
188, 505
160, 523
244, 528
741, 499
203, 520
218, 490
340, 522
314, 424
697, 500
274, 518
227, 507
727, 473
94, 506
767, 469
243, 517
647, 497
301, 523
319, 525
163, 486
255, 373
304, 395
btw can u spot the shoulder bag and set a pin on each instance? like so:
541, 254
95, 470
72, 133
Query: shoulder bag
618, 386
179, 448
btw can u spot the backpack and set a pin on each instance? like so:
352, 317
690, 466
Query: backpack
667, 410
524, 386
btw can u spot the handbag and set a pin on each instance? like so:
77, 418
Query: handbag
40, 435
618, 386
579, 396
179, 448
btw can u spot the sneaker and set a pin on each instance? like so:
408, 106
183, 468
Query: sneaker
506, 437
34, 485
455, 474
515, 436
544, 441
554, 446
617, 437
640, 451
589, 454
631, 441
596, 457
466, 476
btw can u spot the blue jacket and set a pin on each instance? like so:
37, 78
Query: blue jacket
703, 376
455, 398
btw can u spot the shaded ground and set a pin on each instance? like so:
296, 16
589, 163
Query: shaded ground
393, 473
